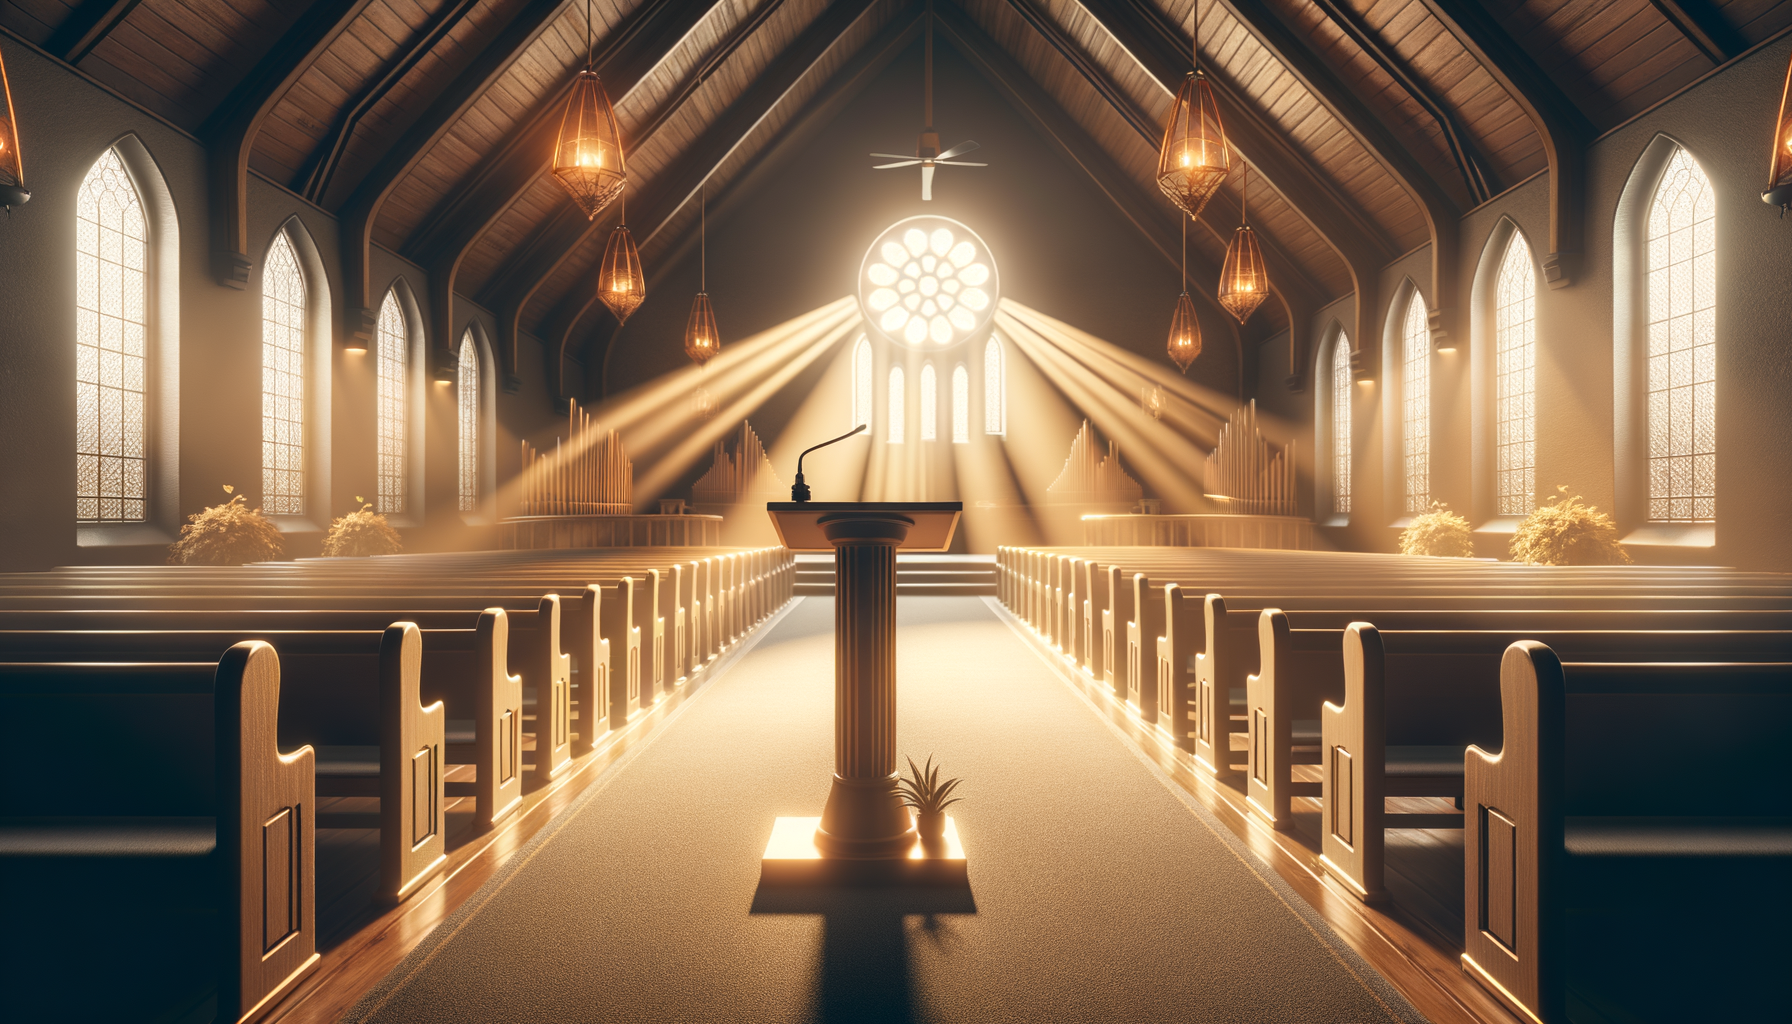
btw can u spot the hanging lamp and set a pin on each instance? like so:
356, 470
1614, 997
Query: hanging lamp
588, 153
1185, 329
1779, 167
1244, 280
620, 283
701, 340
1194, 159
12, 165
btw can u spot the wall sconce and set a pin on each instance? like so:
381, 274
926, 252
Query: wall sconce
12, 166
1779, 167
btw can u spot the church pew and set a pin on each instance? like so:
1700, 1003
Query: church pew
169, 837
469, 668
357, 698
1656, 789
1411, 702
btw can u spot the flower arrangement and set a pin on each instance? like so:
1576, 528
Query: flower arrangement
1438, 533
361, 533
1562, 531
924, 793
227, 534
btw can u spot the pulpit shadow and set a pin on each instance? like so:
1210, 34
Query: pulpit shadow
864, 972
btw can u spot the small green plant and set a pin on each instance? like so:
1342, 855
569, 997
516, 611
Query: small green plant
361, 533
227, 534
1562, 531
923, 792
1439, 533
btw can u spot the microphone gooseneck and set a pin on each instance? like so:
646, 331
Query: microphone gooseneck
799, 491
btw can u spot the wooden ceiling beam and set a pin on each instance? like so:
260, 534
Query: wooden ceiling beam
230, 131
1705, 27
1564, 128
328, 155
361, 209
677, 184
1471, 163
1284, 270
1442, 213
86, 27
1040, 109
573, 309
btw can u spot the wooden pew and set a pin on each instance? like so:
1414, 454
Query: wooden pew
167, 804
1414, 700
1636, 778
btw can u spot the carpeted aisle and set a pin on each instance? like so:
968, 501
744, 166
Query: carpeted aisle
1098, 893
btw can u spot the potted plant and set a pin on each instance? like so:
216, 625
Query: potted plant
360, 534
928, 797
1438, 533
227, 534
1562, 531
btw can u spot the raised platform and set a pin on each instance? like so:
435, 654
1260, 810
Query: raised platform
1282, 533
535, 533
792, 859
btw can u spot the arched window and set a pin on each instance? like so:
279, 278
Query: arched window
1515, 382
861, 384
961, 405
282, 381
1341, 424
896, 406
466, 393
929, 404
995, 389
392, 352
1682, 286
111, 345
1415, 399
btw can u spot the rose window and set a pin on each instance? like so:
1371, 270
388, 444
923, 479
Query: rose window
928, 282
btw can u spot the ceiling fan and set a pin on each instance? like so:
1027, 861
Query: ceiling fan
927, 152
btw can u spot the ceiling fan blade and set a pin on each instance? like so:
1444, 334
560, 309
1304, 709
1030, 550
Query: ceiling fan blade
958, 163
926, 182
905, 163
897, 156
958, 150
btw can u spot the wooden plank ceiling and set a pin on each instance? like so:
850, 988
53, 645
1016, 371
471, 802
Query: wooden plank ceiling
1363, 121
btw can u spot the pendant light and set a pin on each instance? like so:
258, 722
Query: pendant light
620, 283
1185, 330
12, 166
1779, 167
588, 154
1194, 158
1244, 280
701, 341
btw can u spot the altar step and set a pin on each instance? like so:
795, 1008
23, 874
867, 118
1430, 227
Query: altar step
916, 575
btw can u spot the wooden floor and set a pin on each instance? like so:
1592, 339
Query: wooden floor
1414, 940
361, 941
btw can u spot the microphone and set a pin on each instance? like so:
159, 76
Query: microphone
799, 491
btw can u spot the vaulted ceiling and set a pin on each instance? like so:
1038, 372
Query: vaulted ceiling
1369, 126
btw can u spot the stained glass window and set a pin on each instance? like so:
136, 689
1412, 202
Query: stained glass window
995, 389
466, 393
1341, 424
1515, 382
1415, 396
1683, 345
391, 351
896, 406
961, 405
111, 345
861, 383
282, 381
929, 404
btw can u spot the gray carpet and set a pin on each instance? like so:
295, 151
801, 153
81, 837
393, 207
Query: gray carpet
1099, 892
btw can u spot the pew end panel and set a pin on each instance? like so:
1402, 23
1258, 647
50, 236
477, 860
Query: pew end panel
1353, 739
1299, 671
1218, 667
1095, 600
498, 737
1175, 667
1113, 628
267, 832
1142, 631
1513, 841
546, 660
413, 846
